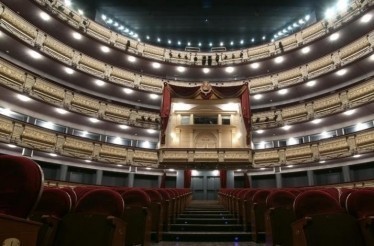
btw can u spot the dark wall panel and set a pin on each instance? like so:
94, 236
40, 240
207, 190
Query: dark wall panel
264, 181
115, 179
147, 181
328, 176
296, 179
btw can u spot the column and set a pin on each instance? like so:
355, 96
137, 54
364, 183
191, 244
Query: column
159, 180
230, 179
131, 180
219, 119
99, 177
346, 174
310, 177
63, 172
180, 178
278, 180
250, 181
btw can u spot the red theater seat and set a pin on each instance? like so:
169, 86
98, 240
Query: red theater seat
360, 204
53, 205
321, 221
157, 212
278, 218
21, 185
137, 216
72, 194
95, 221
258, 213
167, 213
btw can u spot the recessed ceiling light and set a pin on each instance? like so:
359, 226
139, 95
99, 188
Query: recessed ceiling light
67, 2
241, 41
229, 69
104, 49
171, 170
61, 111
356, 156
341, 72
260, 131
23, 98
210, 44
53, 154
169, 41
232, 43
44, 16
88, 161
311, 83
188, 43
128, 90
93, 120
148, 168
286, 127
366, 18
334, 37
69, 70
80, 12
179, 42
151, 131
156, 65
99, 82
255, 65
153, 96
305, 50
34, 54
316, 121
131, 58
119, 165
279, 59
124, 127
349, 112
181, 69
283, 92
290, 166
220, 43
323, 161
77, 36
199, 44
12, 146
371, 57
257, 96
206, 70
262, 168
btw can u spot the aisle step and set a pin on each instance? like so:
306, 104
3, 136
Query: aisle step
206, 227
207, 237
206, 216
206, 221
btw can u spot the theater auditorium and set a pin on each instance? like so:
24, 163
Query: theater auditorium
189, 122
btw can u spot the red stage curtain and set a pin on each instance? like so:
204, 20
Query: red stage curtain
223, 178
165, 111
246, 112
187, 178
163, 180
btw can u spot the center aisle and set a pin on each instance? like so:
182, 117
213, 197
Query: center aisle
206, 221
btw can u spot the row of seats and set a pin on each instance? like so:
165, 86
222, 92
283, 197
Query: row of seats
305, 216
31, 214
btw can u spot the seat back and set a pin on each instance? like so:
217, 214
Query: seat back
137, 216
157, 212
315, 202
323, 222
280, 198
94, 222
360, 203
278, 217
21, 185
72, 194
54, 202
101, 201
258, 212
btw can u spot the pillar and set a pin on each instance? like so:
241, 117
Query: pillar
131, 180
99, 177
346, 174
63, 172
278, 180
310, 175
180, 178
230, 179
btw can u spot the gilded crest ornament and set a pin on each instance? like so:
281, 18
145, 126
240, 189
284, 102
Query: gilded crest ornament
205, 88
